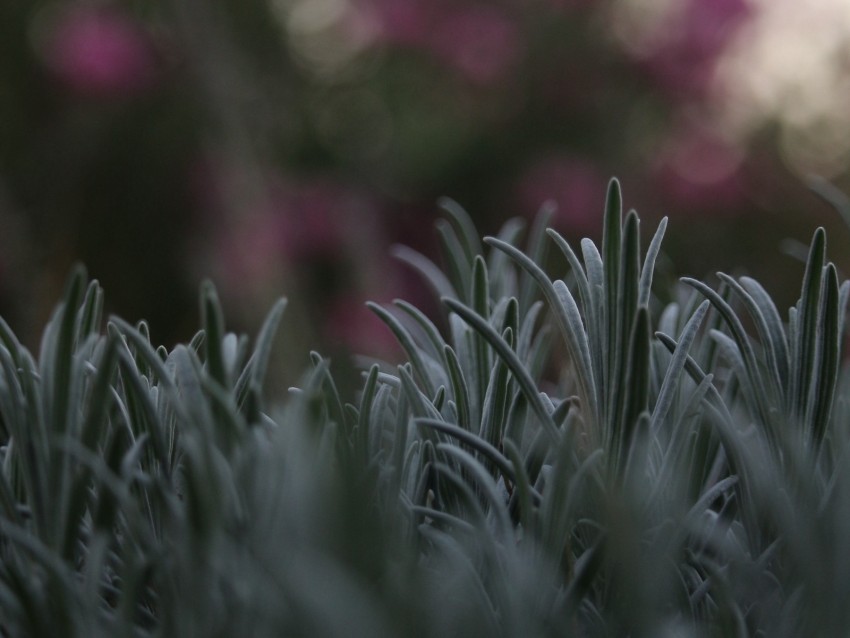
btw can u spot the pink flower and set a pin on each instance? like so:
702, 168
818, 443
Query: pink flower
699, 170
310, 215
98, 52
479, 41
571, 5
351, 325
248, 256
573, 184
405, 22
686, 58
263, 223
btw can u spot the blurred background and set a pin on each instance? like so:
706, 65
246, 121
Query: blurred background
280, 147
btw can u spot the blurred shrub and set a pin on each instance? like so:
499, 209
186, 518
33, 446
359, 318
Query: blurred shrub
284, 144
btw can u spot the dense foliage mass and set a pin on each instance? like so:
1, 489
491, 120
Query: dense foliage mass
581, 456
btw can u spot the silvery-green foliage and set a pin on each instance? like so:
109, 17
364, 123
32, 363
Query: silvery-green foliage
564, 472
557, 455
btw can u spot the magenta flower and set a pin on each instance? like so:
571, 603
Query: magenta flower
479, 41
572, 183
98, 52
264, 222
248, 258
685, 59
310, 216
571, 5
699, 170
406, 23
352, 326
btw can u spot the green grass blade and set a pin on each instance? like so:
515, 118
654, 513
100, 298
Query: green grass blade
429, 271
568, 313
420, 404
623, 316
91, 313
485, 483
488, 451
62, 361
502, 277
8, 503
567, 316
143, 414
767, 336
576, 269
673, 374
464, 228
434, 338
458, 267
775, 330
100, 397
648, 269
460, 390
365, 416
636, 385
414, 353
527, 329
480, 302
254, 372
495, 406
743, 344
332, 398
827, 363
805, 337
523, 491
537, 252
843, 304
509, 357
595, 313
213, 322
612, 247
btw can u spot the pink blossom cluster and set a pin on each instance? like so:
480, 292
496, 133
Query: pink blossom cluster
684, 59
572, 183
488, 45
97, 51
698, 170
270, 219
481, 41
288, 225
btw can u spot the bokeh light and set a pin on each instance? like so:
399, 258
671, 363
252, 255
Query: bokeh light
282, 146
791, 65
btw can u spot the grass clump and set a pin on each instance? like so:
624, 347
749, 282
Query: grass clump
672, 470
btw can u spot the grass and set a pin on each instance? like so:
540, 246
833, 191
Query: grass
556, 456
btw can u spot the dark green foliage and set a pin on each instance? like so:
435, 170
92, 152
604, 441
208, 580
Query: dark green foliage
655, 472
